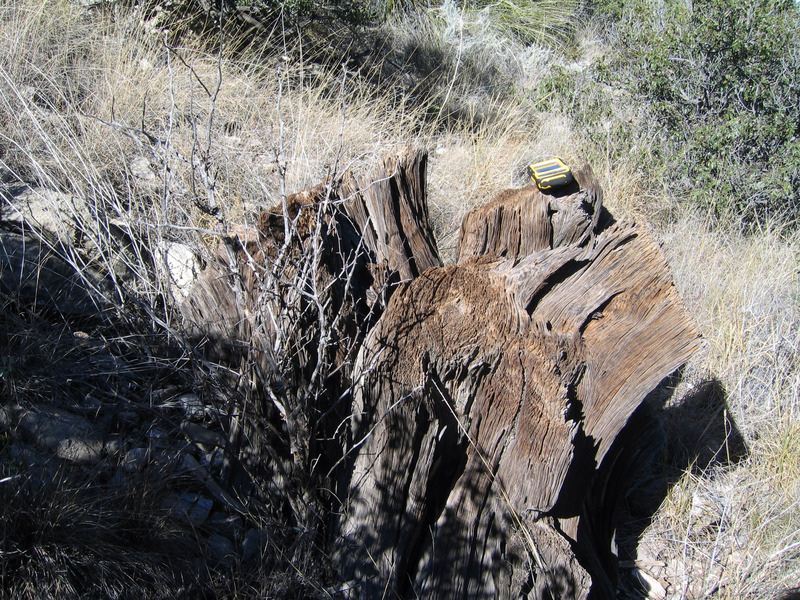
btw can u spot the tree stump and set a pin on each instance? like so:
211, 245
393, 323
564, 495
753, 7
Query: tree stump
480, 422
498, 413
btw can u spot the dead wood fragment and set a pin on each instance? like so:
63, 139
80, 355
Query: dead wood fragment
286, 304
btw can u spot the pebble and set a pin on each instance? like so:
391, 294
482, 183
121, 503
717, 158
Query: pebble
135, 460
221, 549
253, 544
191, 506
192, 407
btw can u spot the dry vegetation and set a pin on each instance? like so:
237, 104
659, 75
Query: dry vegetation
152, 137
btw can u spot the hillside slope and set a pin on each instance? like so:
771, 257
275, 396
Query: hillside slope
133, 155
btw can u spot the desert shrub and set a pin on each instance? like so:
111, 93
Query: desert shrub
466, 62
722, 80
243, 24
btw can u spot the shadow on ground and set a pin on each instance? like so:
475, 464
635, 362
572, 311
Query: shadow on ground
700, 435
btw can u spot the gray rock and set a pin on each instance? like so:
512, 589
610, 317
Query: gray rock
203, 436
189, 464
158, 397
48, 211
31, 273
216, 460
62, 433
126, 259
221, 549
113, 444
135, 460
80, 451
193, 507
253, 544
67, 221
140, 168
192, 407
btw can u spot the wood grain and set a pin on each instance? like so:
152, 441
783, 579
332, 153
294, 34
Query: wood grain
492, 400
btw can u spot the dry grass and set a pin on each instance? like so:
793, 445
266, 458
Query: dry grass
78, 93
731, 529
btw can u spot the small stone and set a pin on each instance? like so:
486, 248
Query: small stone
80, 451
140, 168
189, 463
255, 540
68, 436
201, 435
192, 407
193, 507
221, 549
216, 459
112, 445
135, 460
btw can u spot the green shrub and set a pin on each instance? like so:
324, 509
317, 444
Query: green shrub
722, 78
254, 21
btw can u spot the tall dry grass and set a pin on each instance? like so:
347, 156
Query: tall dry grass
733, 530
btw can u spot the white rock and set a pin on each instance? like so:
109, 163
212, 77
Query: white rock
140, 168
184, 268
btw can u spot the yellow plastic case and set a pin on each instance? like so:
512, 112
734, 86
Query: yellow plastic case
550, 173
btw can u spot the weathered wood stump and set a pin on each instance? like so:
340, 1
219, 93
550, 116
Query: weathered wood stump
495, 406
496, 412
